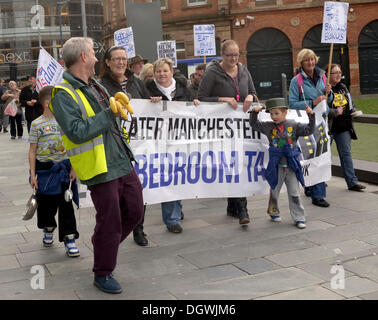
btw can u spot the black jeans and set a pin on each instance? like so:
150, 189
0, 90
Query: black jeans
16, 121
237, 205
49, 205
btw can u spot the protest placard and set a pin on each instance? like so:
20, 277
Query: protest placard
125, 38
335, 20
49, 71
334, 29
167, 49
204, 40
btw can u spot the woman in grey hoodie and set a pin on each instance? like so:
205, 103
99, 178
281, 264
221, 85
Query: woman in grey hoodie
227, 80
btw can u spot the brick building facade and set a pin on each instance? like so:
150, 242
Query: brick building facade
270, 33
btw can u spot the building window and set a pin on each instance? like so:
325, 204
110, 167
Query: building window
180, 49
196, 2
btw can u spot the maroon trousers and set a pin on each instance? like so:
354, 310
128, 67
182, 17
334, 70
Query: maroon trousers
119, 207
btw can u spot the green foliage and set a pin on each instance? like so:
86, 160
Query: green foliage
365, 148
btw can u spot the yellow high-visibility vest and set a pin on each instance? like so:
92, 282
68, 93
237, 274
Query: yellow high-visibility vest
88, 159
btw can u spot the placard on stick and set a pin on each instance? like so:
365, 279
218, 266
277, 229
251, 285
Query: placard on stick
334, 29
204, 40
167, 49
335, 20
125, 38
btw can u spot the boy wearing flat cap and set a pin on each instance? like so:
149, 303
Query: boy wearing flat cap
284, 164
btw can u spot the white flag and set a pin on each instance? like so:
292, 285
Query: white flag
49, 71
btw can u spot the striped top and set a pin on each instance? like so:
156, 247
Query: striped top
47, 135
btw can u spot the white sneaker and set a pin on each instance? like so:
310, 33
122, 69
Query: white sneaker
275, 218
300, 225
48, 237
71, 248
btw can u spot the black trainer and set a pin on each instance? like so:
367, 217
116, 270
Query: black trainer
320, 203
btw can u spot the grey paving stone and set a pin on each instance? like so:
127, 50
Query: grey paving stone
48, 256
17, 274
156, 267
298, 257
322, 269
355, 286
237, 253
8, 262
308, 293
71, 265
256, 266
370, 296
250, 287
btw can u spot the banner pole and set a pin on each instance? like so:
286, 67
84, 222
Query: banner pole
204, 59
329, 64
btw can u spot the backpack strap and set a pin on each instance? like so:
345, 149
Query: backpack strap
299, 82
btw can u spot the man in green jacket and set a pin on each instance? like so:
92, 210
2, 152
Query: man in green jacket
116, 191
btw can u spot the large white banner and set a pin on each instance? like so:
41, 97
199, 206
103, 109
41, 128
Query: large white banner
210, 150
49, 71
335, 19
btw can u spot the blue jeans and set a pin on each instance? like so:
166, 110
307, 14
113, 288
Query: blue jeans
343, 140
318, 191
171, 212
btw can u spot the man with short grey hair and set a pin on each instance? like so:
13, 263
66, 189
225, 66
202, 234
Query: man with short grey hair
100, 155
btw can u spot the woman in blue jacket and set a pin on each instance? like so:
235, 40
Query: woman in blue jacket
309, 87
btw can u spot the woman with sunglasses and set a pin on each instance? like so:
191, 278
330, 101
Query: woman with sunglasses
116, 77
341, 126
227, 80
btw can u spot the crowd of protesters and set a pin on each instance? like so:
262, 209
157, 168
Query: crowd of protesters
96, 147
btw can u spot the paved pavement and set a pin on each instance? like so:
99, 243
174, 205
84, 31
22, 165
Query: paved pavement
214, 258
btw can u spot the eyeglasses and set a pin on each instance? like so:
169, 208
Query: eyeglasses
234, 55
119, 59
337, 72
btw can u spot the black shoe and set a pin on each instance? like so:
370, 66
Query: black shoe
244, 218
140, 238
176, 228
307, 191
357, 187
320, 203
5, 130
13, 137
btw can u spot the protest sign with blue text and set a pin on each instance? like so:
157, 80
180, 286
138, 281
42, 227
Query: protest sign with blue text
125, 38
335, 20
204, 40
49, 71
211, 151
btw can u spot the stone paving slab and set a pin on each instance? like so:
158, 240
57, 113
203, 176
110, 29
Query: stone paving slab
250, 287
355, 286
308, 293
297, 257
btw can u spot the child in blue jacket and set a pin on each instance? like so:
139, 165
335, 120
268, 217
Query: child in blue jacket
51, 174
284, 164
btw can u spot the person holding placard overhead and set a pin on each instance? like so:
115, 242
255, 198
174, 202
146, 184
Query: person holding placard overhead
308, 88
227, 80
